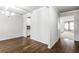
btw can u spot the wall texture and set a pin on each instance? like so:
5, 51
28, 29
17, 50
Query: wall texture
40, 25
53, 21
76, 31
10, 27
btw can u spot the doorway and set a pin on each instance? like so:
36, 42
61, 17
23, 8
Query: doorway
67, 27
28, 26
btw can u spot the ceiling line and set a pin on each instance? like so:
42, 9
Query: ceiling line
23, 9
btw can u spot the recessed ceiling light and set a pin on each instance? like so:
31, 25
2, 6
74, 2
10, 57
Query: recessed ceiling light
12, 14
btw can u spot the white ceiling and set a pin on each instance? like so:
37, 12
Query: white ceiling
20, 9
67, 8
26, 9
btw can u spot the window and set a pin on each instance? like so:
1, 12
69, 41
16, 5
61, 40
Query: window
69, 26
66, 26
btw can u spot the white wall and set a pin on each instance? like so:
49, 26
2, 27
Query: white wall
61, 24
10, 27
40, 25
76, 31
53, 21
44, 25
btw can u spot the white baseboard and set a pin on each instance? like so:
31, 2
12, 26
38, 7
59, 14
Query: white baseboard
10, 37
50, 46
40, 41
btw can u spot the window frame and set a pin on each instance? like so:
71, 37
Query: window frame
68, 26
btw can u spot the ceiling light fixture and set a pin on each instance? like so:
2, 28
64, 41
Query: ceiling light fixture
12, 14
6, 12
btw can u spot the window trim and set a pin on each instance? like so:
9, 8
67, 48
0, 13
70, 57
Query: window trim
68, 25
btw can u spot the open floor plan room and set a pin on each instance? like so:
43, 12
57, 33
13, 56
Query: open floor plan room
39, 29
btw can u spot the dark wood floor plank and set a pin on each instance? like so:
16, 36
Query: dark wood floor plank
25, 45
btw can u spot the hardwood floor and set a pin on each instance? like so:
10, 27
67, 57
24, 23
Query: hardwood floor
26, 45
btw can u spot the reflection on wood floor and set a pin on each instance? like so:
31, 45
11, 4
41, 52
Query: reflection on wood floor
25, 45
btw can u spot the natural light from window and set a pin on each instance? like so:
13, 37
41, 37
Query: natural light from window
72, 26
69, 25
66, 26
